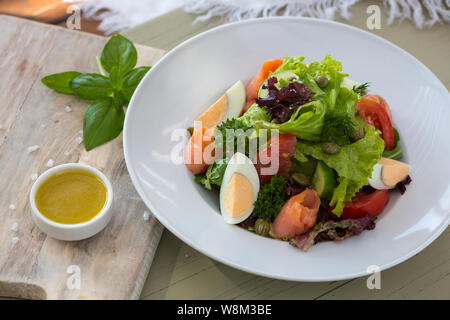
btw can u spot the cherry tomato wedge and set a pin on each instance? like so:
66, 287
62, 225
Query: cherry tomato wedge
380, 100
286, 149
366, 203
373, 113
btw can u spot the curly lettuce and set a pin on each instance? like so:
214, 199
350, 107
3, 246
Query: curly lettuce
253, 114
332, 109
306, 122
353, 164
214, 174
340, 123
328, 67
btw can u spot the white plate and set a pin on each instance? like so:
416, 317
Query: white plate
194, 74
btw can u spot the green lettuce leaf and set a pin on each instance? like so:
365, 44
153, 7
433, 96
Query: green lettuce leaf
340, 123
353, 164
395, 153
214, 174
253, 114
306, 122
328, 67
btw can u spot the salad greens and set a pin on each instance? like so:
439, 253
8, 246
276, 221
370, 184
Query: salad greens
214, 174
306, 122
340, 122
395, 153
104, 117
254, 113
353, 164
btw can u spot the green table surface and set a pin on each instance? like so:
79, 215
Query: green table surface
180, 272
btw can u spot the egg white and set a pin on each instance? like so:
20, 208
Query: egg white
239, 163
375, 180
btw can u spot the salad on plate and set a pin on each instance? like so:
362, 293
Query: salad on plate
301, 154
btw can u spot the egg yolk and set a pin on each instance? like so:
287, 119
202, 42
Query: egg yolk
238, 197
393, 171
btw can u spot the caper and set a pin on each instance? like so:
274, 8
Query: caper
262, 227
330, 147
358, 134
321, 81
301, 178
190, 130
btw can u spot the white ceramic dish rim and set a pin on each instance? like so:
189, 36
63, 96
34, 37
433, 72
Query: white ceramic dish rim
67, 166
217, 257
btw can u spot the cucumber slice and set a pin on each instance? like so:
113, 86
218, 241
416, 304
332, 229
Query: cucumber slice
324, 180
307, 168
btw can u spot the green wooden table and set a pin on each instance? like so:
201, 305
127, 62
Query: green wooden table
180, 272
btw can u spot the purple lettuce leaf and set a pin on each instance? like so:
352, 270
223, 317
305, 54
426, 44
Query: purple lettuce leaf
281, 103
328, 230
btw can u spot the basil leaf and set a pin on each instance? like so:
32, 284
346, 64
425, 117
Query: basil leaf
119, 52
91, 86
60, 81
102, 122
116, 79
131, 80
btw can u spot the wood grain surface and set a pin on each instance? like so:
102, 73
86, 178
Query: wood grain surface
180, 272
114, 263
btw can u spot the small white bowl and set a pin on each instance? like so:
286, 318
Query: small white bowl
78, 231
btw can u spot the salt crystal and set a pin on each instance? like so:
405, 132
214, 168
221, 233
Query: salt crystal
67, 153
85, 158
12, 207
1, 127
146, 215
32, 148
42, 125
14, 226
186, 256
79, 140
34, 176
14, 240
81, 132
50, 163
68, 108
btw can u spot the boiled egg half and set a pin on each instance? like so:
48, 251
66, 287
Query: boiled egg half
387, 173
228, 106
239, 189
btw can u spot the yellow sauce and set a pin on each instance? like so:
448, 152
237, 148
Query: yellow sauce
238, 197
71, 196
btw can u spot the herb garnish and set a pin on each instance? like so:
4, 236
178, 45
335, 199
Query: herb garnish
104, 117
361, 89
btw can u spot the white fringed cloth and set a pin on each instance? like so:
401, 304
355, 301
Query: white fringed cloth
123, 14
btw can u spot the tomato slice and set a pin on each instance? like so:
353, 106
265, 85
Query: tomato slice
366, 203
373, 113
380, 100
286, 149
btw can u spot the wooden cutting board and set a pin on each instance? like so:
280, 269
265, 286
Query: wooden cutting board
114, 263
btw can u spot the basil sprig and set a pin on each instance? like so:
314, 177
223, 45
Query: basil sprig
108, 93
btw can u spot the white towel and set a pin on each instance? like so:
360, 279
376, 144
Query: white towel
123, 15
